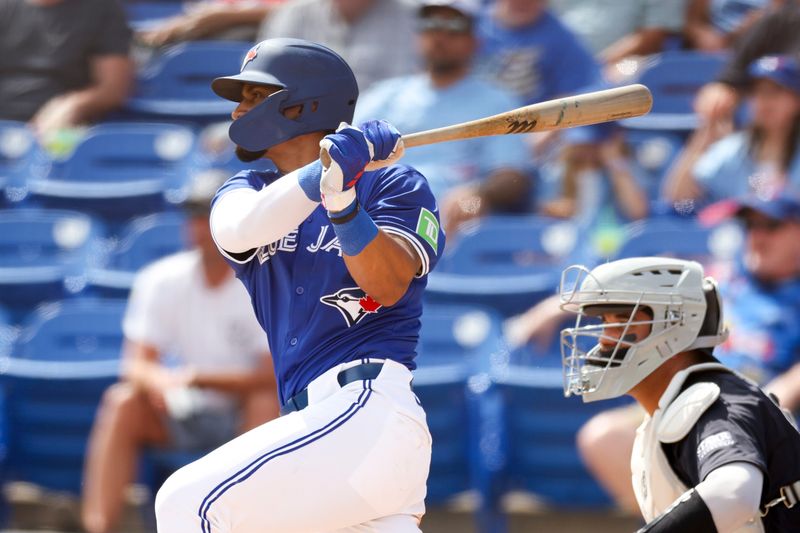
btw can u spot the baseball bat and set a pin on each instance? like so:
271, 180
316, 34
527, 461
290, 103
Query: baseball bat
579, 110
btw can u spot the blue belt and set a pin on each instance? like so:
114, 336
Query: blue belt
355, 373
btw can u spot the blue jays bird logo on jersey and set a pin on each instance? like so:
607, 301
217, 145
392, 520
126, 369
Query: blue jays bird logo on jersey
353, 303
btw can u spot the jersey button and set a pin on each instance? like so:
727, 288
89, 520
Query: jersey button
293, 342
299, 290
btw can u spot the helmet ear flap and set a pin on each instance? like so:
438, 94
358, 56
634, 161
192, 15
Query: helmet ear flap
712, 323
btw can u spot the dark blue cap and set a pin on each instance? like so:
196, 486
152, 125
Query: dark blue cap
783, 70
783, 205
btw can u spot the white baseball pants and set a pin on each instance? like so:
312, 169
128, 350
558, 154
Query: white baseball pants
355, 460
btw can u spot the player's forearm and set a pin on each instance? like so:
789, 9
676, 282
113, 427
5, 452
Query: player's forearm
644, 42
244, 219
787, 388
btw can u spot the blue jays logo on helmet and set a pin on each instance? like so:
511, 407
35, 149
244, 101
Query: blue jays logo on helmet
353, 303
250, 55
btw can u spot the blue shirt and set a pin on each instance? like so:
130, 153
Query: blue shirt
726, 170
764, 338
413, 104
538, 62
314, 313
728, 15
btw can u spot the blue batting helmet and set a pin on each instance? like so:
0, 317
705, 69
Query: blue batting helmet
308, 74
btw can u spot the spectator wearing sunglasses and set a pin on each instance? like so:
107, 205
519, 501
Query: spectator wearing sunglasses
469, 177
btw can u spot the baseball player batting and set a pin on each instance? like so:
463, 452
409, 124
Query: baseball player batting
335, 259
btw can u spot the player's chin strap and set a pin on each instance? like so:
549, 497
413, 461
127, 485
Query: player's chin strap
789, 496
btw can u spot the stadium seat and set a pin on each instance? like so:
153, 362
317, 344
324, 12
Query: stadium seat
540, 427
680, 237
507, 263
457, 342
177, 83
674, 79
43, 255
144, 240
62, 362
654, 152
119, 170
19, 155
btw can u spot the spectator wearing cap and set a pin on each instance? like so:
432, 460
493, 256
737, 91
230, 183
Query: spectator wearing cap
761, 297
469, 177
375, 37
196, 368
760, 159
63, 63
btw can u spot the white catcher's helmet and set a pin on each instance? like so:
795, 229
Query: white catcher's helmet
685, 309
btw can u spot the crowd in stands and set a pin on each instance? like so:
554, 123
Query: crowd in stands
197, 369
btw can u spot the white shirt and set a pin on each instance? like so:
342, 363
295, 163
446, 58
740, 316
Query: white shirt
172, 308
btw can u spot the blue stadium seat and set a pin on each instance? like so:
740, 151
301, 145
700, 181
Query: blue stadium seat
18, 155
177, 83
144, 240
674, 79
654, 152
540, 427
119, 170
43, 255
508, 263
64, 359
456, 343
680, 237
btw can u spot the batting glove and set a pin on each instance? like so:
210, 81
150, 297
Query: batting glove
387, 143
346, 154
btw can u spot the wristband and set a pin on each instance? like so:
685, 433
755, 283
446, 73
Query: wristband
354, 228
308, 177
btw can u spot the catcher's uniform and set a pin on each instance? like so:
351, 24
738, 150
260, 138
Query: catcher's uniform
709, 417
352, 451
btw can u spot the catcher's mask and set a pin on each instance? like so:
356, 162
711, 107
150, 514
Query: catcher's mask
653, 308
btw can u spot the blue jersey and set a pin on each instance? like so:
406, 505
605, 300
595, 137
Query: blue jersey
764, 338
314, 313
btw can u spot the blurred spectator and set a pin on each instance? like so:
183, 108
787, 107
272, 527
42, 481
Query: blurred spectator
196, 367
375, 37
469, 177
714, 25
62, 62
774, 34
601, 180
761, 300
761, 159
526, 49
236, 20
615, 30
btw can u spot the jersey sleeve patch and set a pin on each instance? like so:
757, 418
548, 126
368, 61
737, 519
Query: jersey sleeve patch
714, 442
428, 228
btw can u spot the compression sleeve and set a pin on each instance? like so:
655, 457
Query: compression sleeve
733, 494
244, 219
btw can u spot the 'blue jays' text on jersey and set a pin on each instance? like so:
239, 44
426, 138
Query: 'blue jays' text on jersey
314, 313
